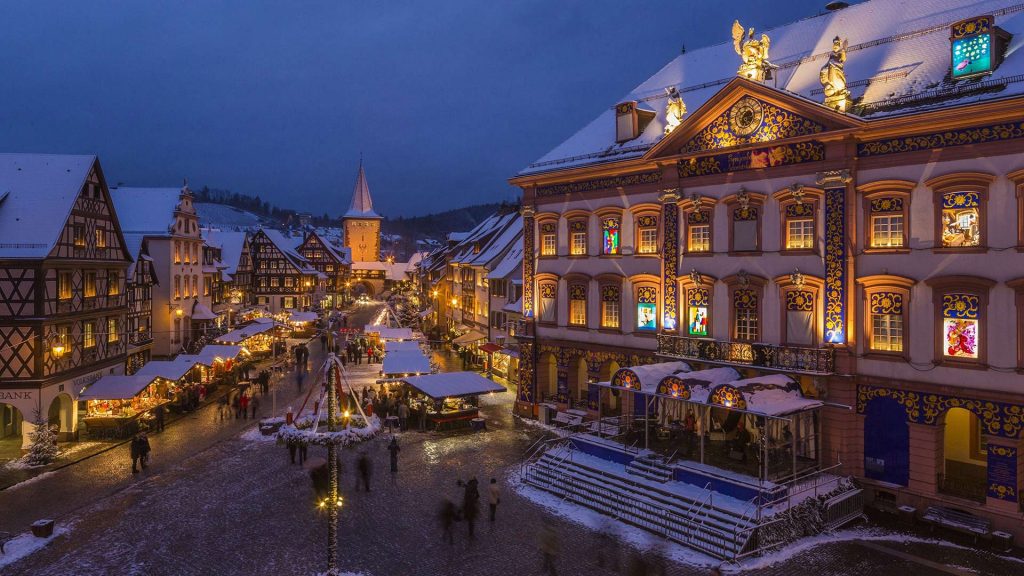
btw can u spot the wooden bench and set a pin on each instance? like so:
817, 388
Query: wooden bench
958, 521
5, 537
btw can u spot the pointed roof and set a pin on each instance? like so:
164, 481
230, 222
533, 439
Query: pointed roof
362, 204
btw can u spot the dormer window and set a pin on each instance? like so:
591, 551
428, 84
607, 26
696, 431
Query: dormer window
630, 120
976, 46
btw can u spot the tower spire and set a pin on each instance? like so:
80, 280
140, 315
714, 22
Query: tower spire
362, 203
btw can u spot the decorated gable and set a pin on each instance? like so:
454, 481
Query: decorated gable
750, 120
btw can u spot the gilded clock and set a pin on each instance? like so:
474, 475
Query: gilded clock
745, 116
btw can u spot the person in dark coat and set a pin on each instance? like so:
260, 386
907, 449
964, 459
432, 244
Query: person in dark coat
135, 449
293, 447
471, 504
364, 470
394, 449
323, 342
144, 450
447, 517
159, 412
303, 452
255, 406
298, 357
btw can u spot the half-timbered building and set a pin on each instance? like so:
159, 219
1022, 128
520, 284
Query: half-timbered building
846, 212
63, 266
140, 281
279, 277
332, 261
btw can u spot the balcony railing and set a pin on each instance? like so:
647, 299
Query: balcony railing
768, 356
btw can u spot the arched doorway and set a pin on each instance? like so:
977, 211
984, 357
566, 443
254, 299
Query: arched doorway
609, 399
964, 456
62, 415
577, 380
886, 442
547, 377
10, 431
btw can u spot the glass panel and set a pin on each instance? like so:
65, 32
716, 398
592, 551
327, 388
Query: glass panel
961, 336
697, 318
800, 327
744, 235
799, 234
646, 316
610, 231
960, 227
648, 241
548, 246
887, 332
610, 314
746, 325
700, 238
578, 312
887, 231
579, 243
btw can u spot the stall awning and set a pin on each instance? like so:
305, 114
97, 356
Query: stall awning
402, 345
240, 335
389, 333
510, 352
426, 313
211, 354
168, 369
453, 384
490, 348
201, 312
405, 362
116, 387
302, 317
469, 338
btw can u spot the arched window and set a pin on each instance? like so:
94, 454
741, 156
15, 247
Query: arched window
646, 229
886, 305
548, 238
960, 201
698, 219
547, 303
746, 293
611, 235
886, 208
611, 305
960, 310
646, 308
744, 209
799, 295
799, 209
698, 293
577, 304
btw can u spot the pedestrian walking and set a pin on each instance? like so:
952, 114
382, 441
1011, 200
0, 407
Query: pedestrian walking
243, 403
144, 450
323, 342
225, 410
403, 416
548, 548
303, 452
293, 447
159, 412
364, 470
298, 380
135, 450
394, 449
255, 406
237, 405
493, 497
447, 516
471, 504
344, 362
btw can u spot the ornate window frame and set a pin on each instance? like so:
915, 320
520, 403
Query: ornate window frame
737, 285
643, 285
970, 182
544, 281
576, 222
752, 210
1017, 177
645, 217
547, 225
602, 215
886, 197
892, 293
792, 208
1017, 286
605, 281
972, 285
697, 211
574, 285
693, 294
814, 289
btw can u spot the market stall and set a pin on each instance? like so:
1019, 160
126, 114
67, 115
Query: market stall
181, 377
214, 360
405, 363
387, 333
257, 336
115, 404
449, 399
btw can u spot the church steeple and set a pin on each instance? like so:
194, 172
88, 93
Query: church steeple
362, 204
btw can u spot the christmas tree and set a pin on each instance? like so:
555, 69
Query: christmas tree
43, 448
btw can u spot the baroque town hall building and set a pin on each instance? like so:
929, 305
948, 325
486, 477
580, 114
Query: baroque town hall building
846, 211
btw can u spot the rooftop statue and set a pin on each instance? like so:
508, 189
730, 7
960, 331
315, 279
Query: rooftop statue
754, 53
675, 109
833, 77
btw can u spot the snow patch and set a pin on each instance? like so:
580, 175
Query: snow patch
25, 544
254, 435
31, 480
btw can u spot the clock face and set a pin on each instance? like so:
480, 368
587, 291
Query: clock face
745, 116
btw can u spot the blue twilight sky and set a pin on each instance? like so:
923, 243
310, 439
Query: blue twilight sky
445, 99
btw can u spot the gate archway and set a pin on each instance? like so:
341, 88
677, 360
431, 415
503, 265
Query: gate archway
886, 442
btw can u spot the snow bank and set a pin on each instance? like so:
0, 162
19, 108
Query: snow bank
25, 544
31, 480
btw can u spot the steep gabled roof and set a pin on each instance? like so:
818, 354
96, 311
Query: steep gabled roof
38, 192
148, 211
898, 63
286, 245
362, 204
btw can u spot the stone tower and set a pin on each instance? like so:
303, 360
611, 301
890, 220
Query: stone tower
361, 223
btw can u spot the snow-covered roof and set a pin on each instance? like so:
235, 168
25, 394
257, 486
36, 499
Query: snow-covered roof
362, 204
168, 369
515, 307
405, 362
464, 252
116, 387
223, 216
511, 263
898, 62
239, 335
37, 193
651, 375
302, 317
388, 333
500, 243
148, 211
401, 345
453, 384
230, 244
287, 245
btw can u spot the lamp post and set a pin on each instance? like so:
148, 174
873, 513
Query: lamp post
333, 501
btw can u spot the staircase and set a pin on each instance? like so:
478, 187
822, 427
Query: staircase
650, 467
636, 498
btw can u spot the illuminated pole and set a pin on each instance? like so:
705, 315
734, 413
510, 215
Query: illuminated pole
332, 466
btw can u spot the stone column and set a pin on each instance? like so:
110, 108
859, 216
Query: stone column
669, 199
836, 255
526, 396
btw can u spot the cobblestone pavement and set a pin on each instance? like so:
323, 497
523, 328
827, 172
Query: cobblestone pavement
228, 504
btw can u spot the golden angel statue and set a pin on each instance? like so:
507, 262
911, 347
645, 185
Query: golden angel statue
675, 109
833, 77
754, 53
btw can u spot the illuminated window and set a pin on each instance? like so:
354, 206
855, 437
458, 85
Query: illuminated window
101, 238
610, 307
647, 308
578, 237
887, 332
113, 283
700, 238
64, 285
206, 286
799, 234
961, 225
800, 317
887, 231
275, 282
745, 315
960, 325
697, 311
289, 282
548, 239
78, 235
89, 335
177, 252
647, 235
90, 284
578, 305
977, 47
112, 335
548, 296
610, 231
177, 287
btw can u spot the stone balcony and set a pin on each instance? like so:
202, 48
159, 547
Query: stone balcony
756, 355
